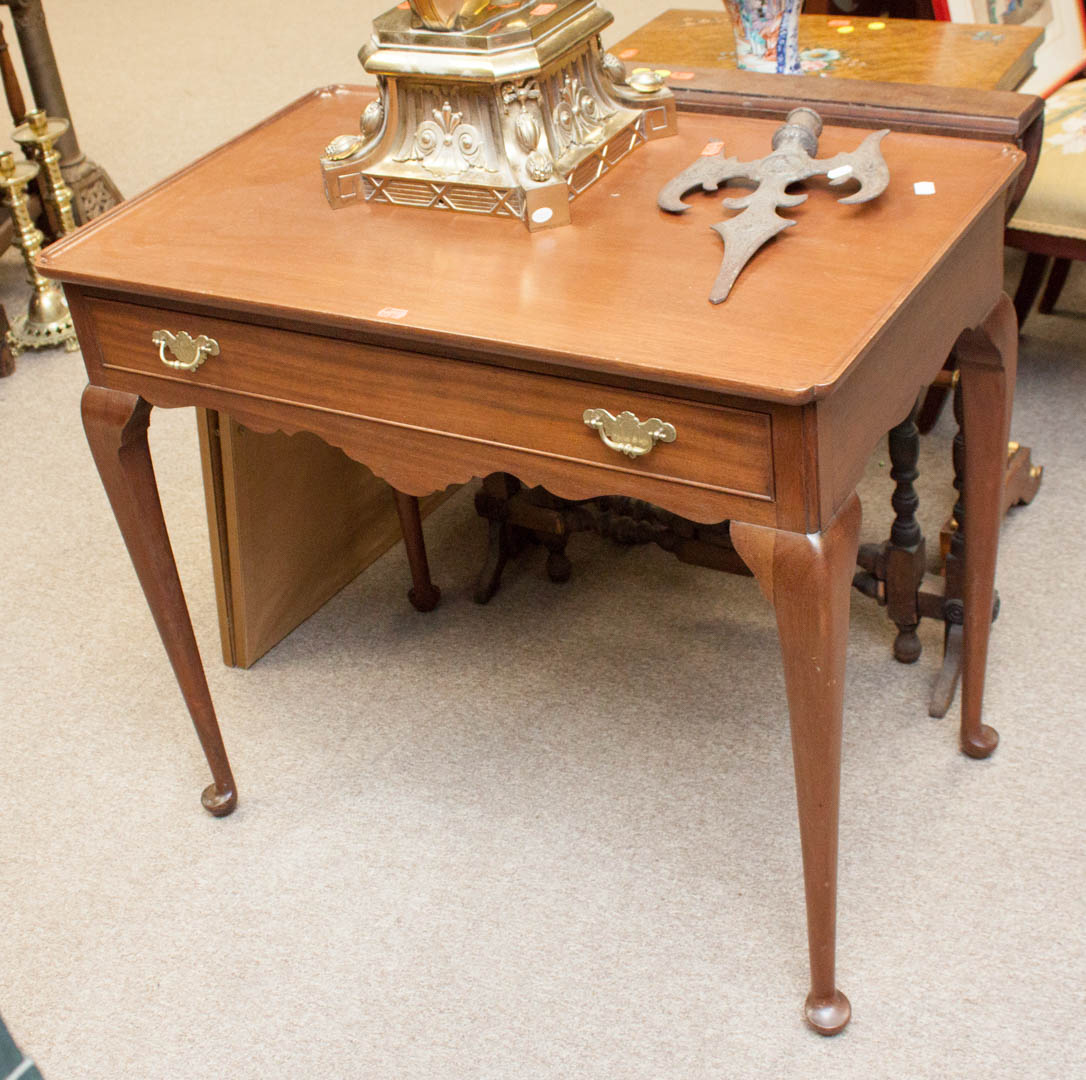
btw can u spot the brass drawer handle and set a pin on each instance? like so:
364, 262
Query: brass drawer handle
189, 352
626, 434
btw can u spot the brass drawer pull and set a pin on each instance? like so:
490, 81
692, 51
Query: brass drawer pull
626, 434
189, 352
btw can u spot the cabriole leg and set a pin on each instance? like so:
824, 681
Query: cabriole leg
807, 579
988, 357
116, 426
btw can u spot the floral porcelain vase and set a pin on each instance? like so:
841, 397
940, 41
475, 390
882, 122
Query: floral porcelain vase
766, 33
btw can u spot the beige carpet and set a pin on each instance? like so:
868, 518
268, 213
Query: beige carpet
519, 841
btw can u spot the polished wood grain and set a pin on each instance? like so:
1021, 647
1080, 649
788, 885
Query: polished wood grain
487, 288
531, 413
900, 50
499, 333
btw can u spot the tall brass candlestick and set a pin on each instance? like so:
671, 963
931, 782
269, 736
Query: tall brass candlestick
47, 322
40, 133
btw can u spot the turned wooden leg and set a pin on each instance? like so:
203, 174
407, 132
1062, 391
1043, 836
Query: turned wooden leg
988, 357
807, 580
116, 427
424, 594
906, 558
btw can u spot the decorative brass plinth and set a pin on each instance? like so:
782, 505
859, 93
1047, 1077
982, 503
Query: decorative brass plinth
510, 112
47, 322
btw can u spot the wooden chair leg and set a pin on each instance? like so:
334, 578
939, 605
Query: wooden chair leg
1029, 286
116, 427
906, 558
424, 594
807, 579
1056, 280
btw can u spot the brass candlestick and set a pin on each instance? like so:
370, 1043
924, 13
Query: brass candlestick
47, 322
40, 133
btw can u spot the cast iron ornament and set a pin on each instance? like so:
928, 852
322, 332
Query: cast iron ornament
793, 158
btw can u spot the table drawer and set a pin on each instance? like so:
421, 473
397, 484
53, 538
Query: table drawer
717, 447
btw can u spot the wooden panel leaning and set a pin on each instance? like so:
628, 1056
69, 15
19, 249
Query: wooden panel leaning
291, 520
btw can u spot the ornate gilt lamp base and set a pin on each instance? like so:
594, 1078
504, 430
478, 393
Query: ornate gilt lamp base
512, 117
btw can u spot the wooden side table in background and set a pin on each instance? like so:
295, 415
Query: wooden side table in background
884, 50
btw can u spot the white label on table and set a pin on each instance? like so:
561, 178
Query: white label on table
924, 187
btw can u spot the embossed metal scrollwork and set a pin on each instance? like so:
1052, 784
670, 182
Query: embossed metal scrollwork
189, 352
628, 435
448, 145
578, 115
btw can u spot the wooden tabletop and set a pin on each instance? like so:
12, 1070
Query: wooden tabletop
623, 290
887, 50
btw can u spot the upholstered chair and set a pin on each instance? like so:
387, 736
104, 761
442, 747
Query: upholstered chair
1050, 223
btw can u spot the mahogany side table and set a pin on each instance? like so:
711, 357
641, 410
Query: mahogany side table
428, 382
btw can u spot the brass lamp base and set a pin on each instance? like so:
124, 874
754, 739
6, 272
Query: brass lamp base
513, 117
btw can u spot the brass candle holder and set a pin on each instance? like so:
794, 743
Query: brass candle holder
39, 133
47, 322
